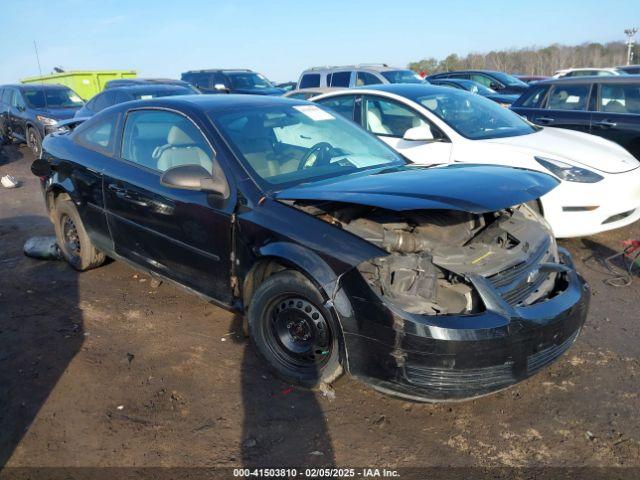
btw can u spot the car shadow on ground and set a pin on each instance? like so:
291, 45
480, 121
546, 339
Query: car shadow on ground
40, 333
283, 427
10, 153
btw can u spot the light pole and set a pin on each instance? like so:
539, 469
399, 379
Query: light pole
630, 33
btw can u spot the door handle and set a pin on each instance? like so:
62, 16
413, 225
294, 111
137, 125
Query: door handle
605, 124
545, 120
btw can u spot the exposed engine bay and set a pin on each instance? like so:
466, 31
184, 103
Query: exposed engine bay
434, 255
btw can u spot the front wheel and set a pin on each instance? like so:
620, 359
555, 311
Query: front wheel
72, 238
34, 141
293, 331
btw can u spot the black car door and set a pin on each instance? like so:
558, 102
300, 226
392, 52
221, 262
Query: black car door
18, 115
566, 107
184, 235
617, 115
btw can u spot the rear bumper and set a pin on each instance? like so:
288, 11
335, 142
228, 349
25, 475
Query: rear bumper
450, 358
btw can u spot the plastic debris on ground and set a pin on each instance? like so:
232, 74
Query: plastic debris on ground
44, 248
327, 391
9, 181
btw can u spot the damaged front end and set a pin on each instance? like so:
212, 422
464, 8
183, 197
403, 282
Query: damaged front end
458, 304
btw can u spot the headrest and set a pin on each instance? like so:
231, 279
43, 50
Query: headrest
177, 136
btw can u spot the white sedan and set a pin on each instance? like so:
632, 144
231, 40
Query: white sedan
600, 181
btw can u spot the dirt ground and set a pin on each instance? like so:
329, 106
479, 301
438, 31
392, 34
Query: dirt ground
103, 369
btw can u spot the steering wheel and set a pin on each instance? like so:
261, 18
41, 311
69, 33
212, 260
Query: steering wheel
318, 151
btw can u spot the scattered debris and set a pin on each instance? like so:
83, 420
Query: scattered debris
287, 391
249, 443
590, 436
120, 407
317, 453
209, 423
327, 391
223, 339
130, 357
155, 282
382, 420
9, 181
45, 248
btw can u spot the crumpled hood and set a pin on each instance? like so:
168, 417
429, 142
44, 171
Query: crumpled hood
581, 148
57, 113
466, 187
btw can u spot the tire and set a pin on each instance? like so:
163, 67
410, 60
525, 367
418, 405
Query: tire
72, 238
34, 141
293, 332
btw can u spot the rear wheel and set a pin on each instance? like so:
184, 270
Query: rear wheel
72, 238
34, 141
293, 331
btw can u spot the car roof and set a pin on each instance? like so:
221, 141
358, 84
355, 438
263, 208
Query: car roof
146, 81
468, 71
213, 103
146, 88
40, 86
376, 67
591, 79
223, 70
404, 89
319, 90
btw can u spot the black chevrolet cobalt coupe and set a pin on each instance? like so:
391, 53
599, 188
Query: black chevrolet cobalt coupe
433, 283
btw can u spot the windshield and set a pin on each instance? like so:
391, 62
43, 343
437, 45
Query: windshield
164, 92
402, 76
509, 80
240, 80
475, 117
55, 98
284, 145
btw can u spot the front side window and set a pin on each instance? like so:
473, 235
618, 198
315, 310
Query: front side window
248, 80
482, 79
52, 98
17, 100
310, 80
568, 97
474, 116
160, 140
103, 100
535, 98
402, 76
366, 78
389, 118
342, 105
620, 98
282, 145
340, 79
98, 133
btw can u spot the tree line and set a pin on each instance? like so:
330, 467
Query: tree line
533, 60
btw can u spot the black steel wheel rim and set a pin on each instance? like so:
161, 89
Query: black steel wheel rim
70, 236
298, 333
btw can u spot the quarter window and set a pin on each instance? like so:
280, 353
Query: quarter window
366, 78
568, 97
535, 98
620, 98
482, 79
161, 140
342, 105
98, 135
310, 80
385, 117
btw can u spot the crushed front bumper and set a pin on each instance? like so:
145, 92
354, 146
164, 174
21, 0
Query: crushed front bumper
457, 357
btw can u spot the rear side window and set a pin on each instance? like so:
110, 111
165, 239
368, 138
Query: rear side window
103, 100
620, 98
366, 78
7, 96
568, 97
342, 105
340, 79
310, 80
98, 135
535, 98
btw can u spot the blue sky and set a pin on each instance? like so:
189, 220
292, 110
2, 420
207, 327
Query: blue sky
280, 38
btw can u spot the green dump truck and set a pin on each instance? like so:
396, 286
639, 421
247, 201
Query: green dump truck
84, 83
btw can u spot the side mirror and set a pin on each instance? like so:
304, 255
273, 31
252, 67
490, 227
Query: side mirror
41, 168
418, 134
21, 108
496, 86
194, 177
